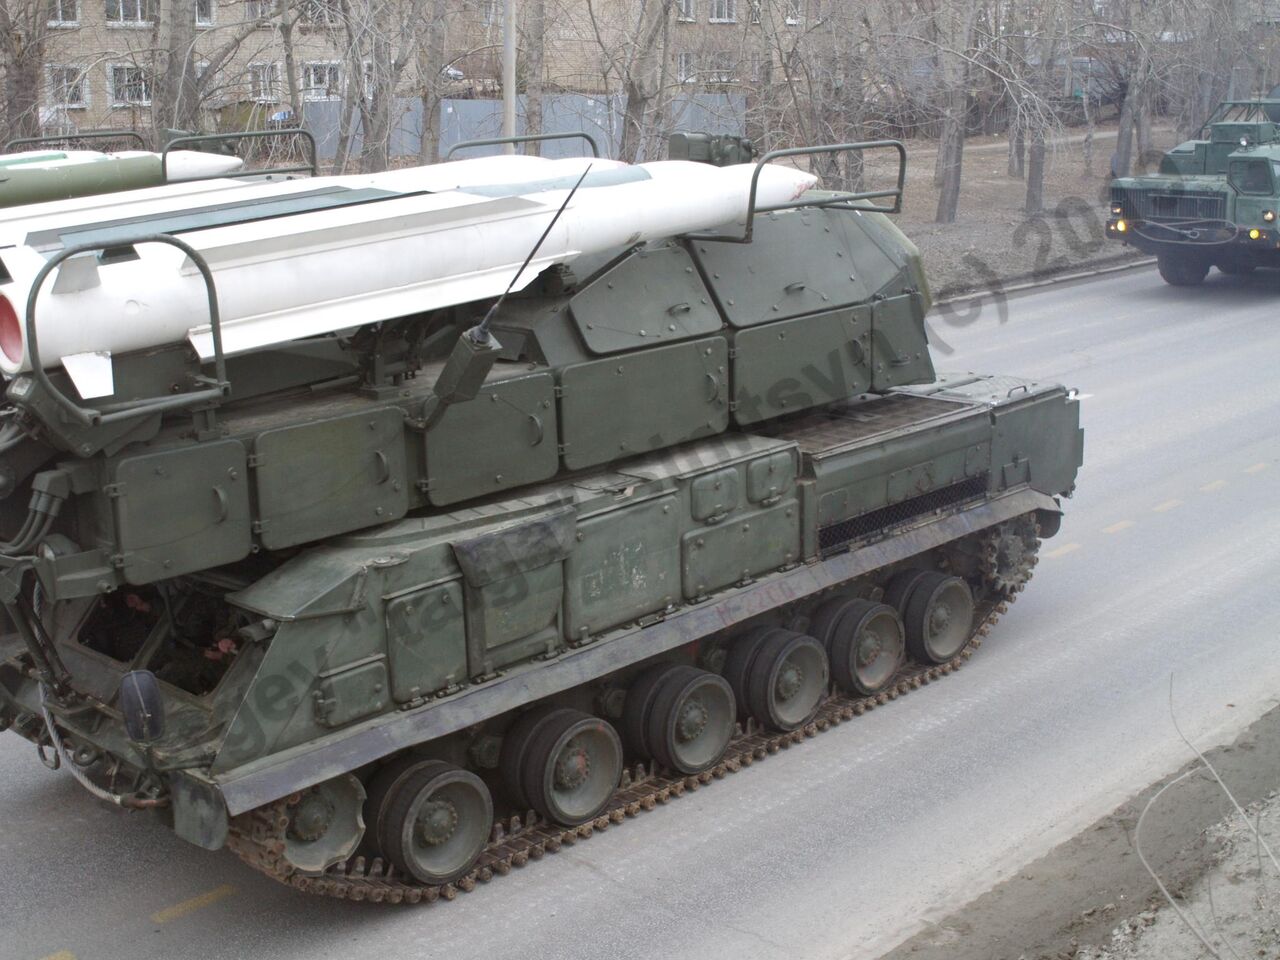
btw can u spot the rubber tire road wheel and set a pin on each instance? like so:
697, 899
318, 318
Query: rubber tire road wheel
637, 706
787, 680
924, 613
825, 617
691, 720
866, 628
571, 744
737, 666
460, 822
900, 586
515, 750
381, 786
1182, 271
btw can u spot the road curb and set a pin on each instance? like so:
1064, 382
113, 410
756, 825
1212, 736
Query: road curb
1053, 281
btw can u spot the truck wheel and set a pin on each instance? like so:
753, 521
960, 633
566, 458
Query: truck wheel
866, 647
939, 618
436, 822
786, 680
1179, 270
571, 767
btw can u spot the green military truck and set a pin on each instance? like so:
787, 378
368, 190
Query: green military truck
388, 614
1214, 200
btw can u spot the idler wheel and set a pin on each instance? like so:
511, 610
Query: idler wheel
688, 716
939, 618
570, 763
435, 821
326, 825
866, 646
782, 676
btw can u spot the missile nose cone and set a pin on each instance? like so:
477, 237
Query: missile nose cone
193, 165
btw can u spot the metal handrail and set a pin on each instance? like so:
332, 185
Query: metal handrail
177, 142
67, 137
133, 408
527, 138
833, 200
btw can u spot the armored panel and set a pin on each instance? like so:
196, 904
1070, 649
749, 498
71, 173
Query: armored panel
799, 262
769, 478
426, 641
792, 365
738, 550
899, 345
652, 297
319, 479
505, 437
352, 692
643, 401
181, 510
514, 590
625, 565
713, 495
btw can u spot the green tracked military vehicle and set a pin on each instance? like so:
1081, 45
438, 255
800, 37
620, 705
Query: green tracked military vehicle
1214, 200
401, 609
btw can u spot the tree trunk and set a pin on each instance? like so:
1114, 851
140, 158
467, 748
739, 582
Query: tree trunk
1035, 173
1017, 148
1089, 126
535, 30
951, 156
430, 63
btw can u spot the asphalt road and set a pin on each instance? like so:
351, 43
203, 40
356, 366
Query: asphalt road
1165, 567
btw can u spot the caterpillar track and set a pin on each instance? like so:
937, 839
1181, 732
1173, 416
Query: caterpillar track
258, 837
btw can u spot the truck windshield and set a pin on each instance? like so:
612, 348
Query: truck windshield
1251, 176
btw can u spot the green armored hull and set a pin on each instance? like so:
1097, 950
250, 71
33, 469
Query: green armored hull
386, 622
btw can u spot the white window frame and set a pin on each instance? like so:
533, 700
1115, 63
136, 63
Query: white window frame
686, 67
721, 68
309, 88
144, 14
116, 101
258, 9
268, 92
687, 11
320, 13
489, 13
213, 13
723, 11
755, 12
82, 81
59, 7
793, 12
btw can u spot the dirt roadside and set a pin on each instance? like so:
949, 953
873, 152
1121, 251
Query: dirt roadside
1090, 898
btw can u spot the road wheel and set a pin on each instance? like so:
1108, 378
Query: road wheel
1181, 270
786, 680
866, 647
572, 766
516, 743
691, 720
742, 655
939, 618
900, 587
435, 822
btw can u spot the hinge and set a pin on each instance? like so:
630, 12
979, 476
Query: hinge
113, 490
117, 561
562, 448
258, 526
255, 461
559, 391
733, 353
424, 486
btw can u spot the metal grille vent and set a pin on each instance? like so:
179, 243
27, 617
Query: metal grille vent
1160, 204
836, 536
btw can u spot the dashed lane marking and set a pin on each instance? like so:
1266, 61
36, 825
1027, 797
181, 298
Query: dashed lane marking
1166, 506
1256, 468
64, 955
1117, 527
1063, 550
186, 907
1211, 487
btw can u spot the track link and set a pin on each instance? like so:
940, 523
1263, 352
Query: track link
258, 837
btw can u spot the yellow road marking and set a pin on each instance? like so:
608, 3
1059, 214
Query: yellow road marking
1256, 468
1166, 506
1211, 487
1063, 550
1117, 527
64, 955
180, 910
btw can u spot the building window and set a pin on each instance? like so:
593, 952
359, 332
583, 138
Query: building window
264, 82
791, 10
67, 87
489, 12
755, 14
258, 9
322, 80
724, 11
721, 68
130, 86
687, 10
64, 13
130, 13
204, 13
321, 12
686, 67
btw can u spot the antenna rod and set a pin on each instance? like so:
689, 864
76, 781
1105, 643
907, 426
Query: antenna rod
480, 332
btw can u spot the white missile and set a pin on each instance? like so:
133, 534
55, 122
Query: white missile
325, 269
181, 164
